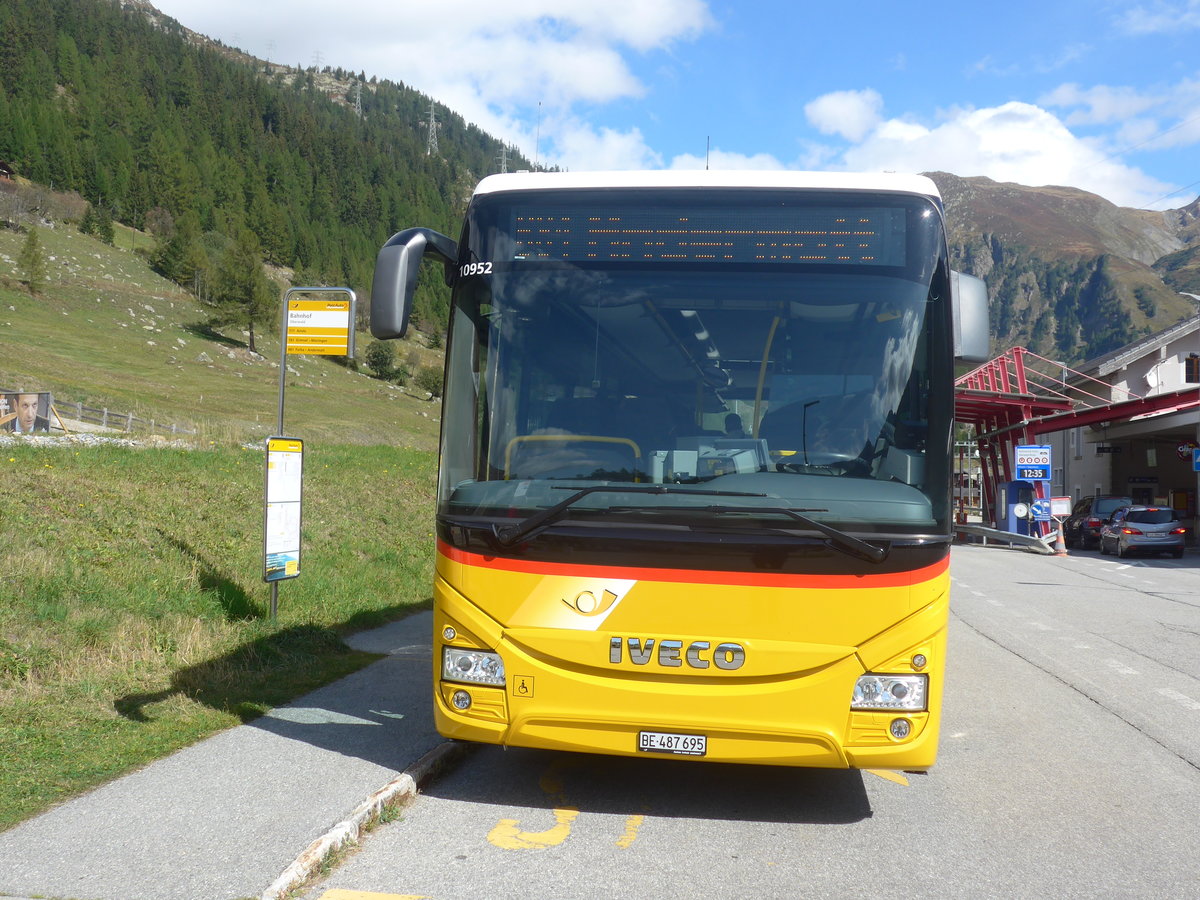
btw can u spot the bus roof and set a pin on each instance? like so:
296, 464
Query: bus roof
703, 178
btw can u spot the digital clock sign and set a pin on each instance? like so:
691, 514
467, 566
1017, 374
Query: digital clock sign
854, 236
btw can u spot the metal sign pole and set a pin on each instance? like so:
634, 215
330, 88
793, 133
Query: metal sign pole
279, 426
324, 327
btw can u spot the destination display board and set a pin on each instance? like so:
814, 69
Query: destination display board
859, 236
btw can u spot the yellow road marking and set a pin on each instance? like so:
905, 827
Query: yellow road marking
507, 833
508, 836
889, 775
632, 824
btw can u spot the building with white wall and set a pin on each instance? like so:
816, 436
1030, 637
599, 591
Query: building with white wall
1149, 456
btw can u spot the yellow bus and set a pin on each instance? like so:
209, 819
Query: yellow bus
694, 490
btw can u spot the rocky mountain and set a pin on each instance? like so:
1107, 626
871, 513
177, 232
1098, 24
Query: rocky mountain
1070, 275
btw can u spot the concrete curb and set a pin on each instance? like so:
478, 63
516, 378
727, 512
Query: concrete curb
402, 788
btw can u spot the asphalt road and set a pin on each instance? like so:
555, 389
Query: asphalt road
1069, 767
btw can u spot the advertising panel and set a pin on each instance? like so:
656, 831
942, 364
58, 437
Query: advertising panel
25, 412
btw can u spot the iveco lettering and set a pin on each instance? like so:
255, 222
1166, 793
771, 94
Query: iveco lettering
697, 654
694, 488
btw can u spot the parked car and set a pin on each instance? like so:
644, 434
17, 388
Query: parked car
1150, 529
1082, 527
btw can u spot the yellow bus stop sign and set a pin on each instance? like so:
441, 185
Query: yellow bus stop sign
321, 327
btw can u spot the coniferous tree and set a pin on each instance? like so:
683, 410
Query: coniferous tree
87, 225
104, 225
178, 254
31, 262
100, 100
243, 296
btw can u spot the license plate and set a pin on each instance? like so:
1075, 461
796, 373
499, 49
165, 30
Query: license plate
679, 744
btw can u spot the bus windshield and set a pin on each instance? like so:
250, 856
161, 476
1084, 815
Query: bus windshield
782, 347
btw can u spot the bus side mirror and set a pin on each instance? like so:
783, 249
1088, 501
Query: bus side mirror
970, 309
395, 278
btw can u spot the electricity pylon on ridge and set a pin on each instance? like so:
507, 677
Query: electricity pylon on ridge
431, 145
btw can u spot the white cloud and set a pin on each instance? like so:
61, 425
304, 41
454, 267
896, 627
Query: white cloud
724, 160
1017, 142
524, 71
1102, 104
580, 147
1155, 119
851, 114
1161, 18
513, 54
1069, 54
1014, 142
492, 64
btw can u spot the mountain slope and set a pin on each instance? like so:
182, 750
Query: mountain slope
1070, 275
177, 134
1181, 269
171, 132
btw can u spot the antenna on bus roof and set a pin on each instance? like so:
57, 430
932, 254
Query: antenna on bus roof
707, 150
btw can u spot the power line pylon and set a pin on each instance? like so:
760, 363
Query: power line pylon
431, 146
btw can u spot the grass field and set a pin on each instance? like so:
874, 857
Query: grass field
108, 332
133, 616
134, 619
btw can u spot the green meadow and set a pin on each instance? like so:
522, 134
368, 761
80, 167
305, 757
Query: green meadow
134, 618
133, 615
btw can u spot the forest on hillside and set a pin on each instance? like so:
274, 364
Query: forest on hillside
222, 159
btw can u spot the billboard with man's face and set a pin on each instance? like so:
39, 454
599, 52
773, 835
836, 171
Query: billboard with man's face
25, 412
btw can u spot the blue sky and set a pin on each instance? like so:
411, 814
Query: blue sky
1096, 94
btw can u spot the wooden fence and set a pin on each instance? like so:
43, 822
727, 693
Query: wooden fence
127, 422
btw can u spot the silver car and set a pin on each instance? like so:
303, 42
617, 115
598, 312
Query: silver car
1150, 529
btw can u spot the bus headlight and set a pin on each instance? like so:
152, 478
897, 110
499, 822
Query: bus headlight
890, 692
472, 666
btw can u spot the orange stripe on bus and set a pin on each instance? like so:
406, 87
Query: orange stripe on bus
695, 576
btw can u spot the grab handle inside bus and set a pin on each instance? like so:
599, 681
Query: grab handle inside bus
395, 278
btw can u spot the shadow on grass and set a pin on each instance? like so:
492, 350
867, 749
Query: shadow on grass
269, 670
233, 599
255, 676
339, 691
208, 333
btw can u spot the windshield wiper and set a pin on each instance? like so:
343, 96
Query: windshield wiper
507, 535
847, 543
839, 539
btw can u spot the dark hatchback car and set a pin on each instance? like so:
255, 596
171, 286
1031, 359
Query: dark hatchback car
1143, 529
1082, 527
